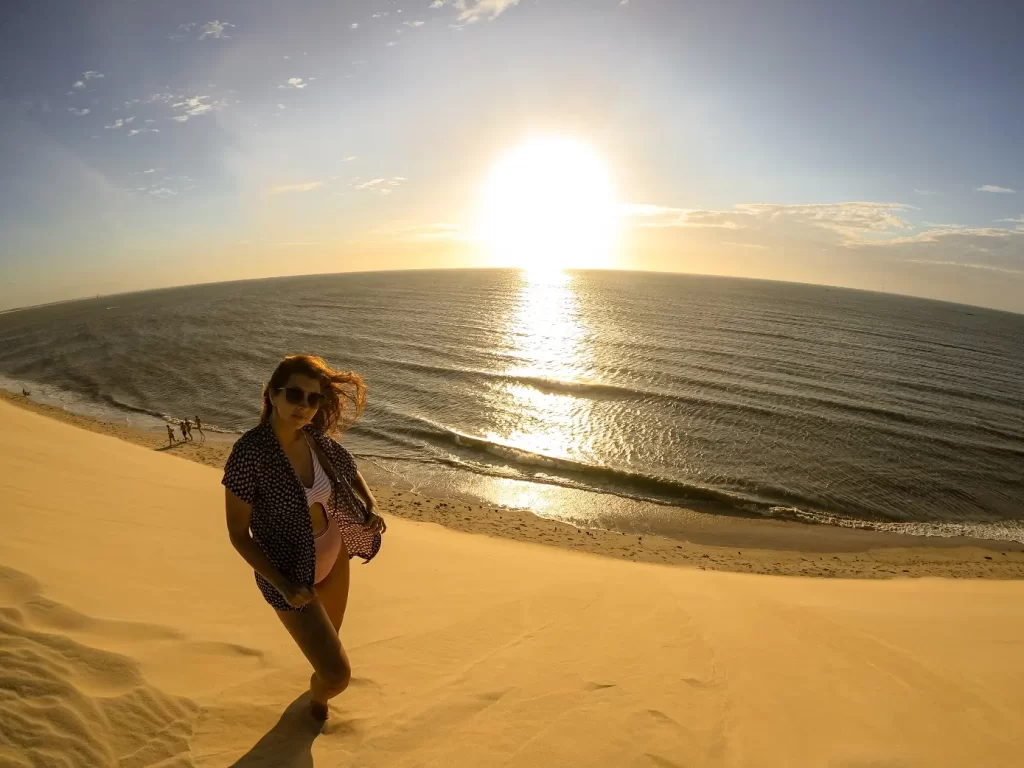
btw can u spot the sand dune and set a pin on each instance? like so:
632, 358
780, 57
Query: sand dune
132, 635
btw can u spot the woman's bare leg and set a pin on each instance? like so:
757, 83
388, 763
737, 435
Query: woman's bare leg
318, 640
333, 590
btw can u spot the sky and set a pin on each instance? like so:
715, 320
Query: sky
873, 144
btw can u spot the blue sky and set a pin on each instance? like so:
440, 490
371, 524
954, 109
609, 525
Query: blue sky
870, 144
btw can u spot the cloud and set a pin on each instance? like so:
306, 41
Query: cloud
93, 75
301, 187
414, 23
382, 186
390, 44
437, 4
354, 25
294, 82
966, 265
119, 123
151, 170
925, 192
194, 106
78, 84
78, 112
851, 221
215, 29
161, 192
654, 215
349, 158
996, 190
437, 231
182, 32
472, 11
137, 131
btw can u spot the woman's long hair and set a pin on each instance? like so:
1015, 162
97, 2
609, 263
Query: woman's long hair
344, 391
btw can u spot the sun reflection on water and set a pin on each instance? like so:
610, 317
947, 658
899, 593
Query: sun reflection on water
549, 347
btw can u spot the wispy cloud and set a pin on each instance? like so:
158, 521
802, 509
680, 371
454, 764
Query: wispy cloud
997, 190
93, 75
183, 31
194, 106
925, 192
305, 186
437, 4
966, 265
472, 11
349, 158
79, 84
354, 25
647, 215
294, 82
382, 186
78, 112
214, 29
137, 131
441, 230
414, 24
852, 220
119, 123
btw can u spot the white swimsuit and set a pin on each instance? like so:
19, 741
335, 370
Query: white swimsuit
328, 542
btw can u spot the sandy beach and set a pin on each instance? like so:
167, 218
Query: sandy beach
132, 635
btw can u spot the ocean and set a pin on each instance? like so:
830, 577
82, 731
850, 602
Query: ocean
601, 393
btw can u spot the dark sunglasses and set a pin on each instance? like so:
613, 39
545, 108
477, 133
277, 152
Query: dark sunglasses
296, 395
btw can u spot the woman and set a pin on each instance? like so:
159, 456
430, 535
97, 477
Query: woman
308, 509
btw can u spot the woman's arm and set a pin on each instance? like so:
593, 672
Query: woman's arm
374, 522
238, 516
364, 492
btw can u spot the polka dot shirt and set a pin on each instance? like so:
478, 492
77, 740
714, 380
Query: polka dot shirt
259, 473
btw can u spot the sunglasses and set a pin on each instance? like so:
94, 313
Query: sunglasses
296, 395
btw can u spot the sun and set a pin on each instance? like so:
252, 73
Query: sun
549, 204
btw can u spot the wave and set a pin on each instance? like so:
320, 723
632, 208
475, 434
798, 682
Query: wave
1005, 530
558, 470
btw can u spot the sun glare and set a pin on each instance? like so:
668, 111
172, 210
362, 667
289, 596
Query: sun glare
550, 204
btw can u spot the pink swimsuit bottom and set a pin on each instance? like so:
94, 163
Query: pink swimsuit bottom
328, 547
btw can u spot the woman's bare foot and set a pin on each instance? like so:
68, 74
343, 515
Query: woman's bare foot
318, 709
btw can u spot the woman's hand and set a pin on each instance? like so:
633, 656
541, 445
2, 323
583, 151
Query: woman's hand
374, 522
296, 595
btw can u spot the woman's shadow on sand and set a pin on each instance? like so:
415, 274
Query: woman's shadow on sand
289, 744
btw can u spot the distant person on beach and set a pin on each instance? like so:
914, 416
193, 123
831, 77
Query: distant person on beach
170, 435
188, 428
290, 468
184, 432
199, 426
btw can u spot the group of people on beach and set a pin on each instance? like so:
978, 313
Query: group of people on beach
186, 432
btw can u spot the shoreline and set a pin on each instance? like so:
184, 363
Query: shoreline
708, 542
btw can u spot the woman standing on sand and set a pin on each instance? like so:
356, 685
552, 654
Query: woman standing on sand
308, 508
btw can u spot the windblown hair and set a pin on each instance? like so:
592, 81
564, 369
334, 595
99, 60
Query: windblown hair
344, 391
